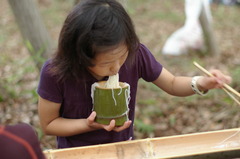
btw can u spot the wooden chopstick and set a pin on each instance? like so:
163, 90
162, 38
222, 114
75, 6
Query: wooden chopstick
226, 87
238, 102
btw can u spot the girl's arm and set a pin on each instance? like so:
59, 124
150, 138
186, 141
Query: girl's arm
53, 124
181, 86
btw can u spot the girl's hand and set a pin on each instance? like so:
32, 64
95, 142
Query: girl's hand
206, 83
111, 127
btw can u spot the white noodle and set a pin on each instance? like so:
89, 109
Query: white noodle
94, 85
113, 82
115, 102
127, 94
120, 91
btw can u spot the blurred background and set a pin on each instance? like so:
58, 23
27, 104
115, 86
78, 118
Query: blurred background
157, 113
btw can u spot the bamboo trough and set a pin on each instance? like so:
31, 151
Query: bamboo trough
222, 144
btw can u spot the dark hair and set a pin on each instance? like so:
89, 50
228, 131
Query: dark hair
92, 25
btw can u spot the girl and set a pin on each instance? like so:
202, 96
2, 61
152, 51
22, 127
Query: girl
98, 40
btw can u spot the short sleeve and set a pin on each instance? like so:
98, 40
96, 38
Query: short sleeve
49, 87
149, 68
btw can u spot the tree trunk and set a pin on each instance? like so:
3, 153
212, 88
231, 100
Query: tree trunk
208, 32
33, 30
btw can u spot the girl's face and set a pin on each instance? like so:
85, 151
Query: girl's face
108, 63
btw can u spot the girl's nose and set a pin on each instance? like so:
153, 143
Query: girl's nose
115, 68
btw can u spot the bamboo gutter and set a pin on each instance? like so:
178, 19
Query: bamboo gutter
222, 144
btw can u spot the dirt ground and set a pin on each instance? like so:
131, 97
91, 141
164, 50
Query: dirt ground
157, 114
192, 114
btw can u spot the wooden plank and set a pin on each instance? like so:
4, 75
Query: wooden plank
197, 144
223, 143
110, 151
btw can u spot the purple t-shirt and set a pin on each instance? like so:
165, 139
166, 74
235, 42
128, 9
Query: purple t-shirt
76, 102
19, 141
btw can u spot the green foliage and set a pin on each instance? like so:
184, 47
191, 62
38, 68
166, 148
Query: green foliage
235, 73
228, 100
15, 84
37, 55
40, 133
142, 127
221, 10
131, 5
2, 38
149, 85
147, 102
172, 119
1, 98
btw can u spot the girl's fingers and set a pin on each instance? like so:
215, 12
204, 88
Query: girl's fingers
222, 78
91, 121
228, 79
92, 117
125, 126
110, 127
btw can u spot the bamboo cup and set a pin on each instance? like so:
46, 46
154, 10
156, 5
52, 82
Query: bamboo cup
111, 103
